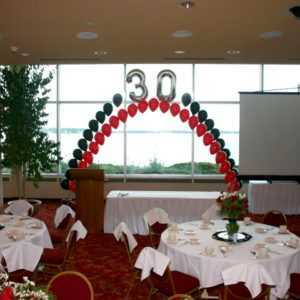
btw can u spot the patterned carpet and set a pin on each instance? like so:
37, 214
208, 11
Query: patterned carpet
104, 261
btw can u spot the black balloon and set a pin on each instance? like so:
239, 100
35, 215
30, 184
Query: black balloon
68, 174
210, 124
117, 99
77, 154
65, 184
186, 99
100, 116
82, 144
215, 132
221, 142
235, 171
73, 163
107, 108
232, 162
93, 125
227, 152
195, 107
202, 115
88, 134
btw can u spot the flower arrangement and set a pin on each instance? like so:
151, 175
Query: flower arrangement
233, 205
27, 290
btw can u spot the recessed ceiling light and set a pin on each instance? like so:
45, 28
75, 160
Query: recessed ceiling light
187, 4
25, 54
233, 52
87, 35
14, 48
90, 23
179, 52
100, 53
182, 34
271, 34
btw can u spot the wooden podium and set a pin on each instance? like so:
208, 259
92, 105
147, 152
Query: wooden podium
89, 198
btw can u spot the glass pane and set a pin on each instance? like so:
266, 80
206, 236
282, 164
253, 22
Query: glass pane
90, 82
224, 82
282, 78
184, 78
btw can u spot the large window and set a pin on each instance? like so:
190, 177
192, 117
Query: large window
153, 142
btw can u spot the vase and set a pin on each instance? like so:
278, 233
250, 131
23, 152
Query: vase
232, 228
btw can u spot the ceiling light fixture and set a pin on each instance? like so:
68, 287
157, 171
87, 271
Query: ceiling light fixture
187, 4
179, 52
182, 34
14, 48
87, 35
25, 54
100, 53
271, 34
233, 52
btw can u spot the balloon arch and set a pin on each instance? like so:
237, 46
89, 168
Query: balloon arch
94, 137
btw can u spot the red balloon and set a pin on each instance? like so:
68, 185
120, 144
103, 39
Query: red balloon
175, 109
99, 138
122, 115
193, 121
7, 294
184, 115
82, 164
208, 138
142, 106
87, 156
214, 147
114, 122
220, 157
164, 106
201, 129
106, 129
72, 185
224, 167
230, 176
233, 186
153, 104
93, 146
132, 110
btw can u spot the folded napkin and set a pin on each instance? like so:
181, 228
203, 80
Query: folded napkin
19, 207
253, 275
22, 255
61, 213
156, 215
81, 231
151, 259
123, 229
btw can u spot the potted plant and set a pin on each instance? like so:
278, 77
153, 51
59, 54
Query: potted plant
25, 147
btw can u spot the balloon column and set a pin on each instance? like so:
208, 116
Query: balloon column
197, 119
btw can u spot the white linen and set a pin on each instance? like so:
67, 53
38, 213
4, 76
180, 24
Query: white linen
22, 255
80, 229
61, 213
151, 259
19, 207
212, 213
253, 275
122, 228
190, 254
130, 207
282, 196
156, 215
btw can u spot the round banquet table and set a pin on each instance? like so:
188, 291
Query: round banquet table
189, 253
18, 228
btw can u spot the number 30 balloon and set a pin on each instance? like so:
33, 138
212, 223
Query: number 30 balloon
141, 85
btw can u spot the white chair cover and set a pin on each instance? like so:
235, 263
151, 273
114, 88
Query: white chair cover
61, 213
122, 228
156, 215
19, 207
80, 230
22, 255
151, 259
253, 275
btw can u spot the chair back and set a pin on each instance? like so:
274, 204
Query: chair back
275, 218
70, 285
20, 207
156, 215
70, 244
181, 297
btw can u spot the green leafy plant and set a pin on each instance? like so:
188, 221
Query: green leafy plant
25, 147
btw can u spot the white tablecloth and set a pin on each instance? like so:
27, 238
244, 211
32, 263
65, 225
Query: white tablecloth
191, 258
130, 206
283, 196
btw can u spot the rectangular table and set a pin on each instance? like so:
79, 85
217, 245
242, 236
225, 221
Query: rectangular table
130, 206
283, 196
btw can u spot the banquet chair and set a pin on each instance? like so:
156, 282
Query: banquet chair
181, 297
156, 220
294, 290
70, 285
275, 218
155, 269
20, 207
239, 291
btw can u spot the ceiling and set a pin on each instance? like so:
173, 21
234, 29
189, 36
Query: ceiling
141, 31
